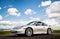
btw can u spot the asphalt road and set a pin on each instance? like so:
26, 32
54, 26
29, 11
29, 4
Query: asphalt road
41, 36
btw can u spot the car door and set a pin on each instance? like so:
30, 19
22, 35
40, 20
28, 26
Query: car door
41, 27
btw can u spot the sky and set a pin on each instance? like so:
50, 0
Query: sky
18, 12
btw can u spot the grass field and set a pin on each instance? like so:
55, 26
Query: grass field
4, 32
56, 31
8, 32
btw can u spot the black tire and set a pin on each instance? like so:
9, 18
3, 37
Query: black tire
28, 32
49, 31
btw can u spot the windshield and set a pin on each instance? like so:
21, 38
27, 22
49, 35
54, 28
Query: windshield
37, 23
32, 23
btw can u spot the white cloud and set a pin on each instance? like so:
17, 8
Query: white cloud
46, 3
53, 11
6, 24
23, 22
0, 17
29, 12
0, 8
34, 19
53, 22
11, 24
50, 21
13, 11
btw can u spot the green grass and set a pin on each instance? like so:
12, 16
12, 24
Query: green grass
4, 32
56, 31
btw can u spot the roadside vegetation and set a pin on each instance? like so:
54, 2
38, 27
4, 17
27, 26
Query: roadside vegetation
2, 32
56, 31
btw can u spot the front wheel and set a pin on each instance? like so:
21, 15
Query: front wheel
49, 31
29, 32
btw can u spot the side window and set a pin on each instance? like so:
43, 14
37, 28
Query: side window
43, 24
39, 24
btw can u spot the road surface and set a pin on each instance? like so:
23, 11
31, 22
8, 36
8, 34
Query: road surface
41, 36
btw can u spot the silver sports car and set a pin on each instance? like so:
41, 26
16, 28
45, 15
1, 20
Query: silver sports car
34, 27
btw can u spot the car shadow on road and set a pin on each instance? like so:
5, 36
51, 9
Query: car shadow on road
22, 35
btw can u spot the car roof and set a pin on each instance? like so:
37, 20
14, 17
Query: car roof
37, 21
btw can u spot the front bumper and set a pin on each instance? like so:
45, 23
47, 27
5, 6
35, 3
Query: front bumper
18, 31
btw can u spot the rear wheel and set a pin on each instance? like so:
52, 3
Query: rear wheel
49, 31
29, 32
